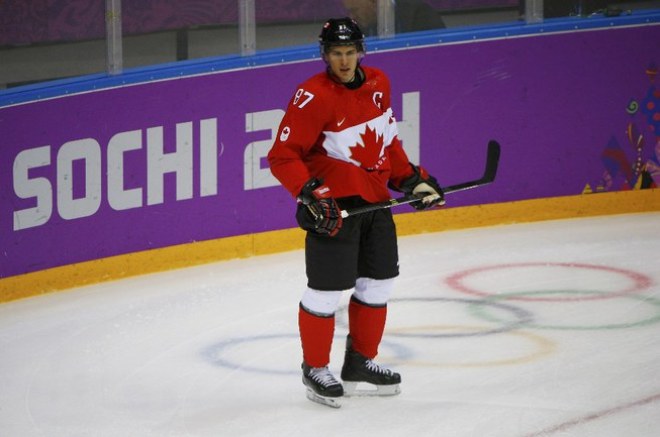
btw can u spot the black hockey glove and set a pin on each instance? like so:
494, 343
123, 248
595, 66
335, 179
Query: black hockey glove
425, 186
317, 210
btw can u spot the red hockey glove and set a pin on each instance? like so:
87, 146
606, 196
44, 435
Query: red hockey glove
424, 185
317, 210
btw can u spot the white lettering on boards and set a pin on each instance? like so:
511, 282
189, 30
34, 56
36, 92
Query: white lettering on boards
75, 198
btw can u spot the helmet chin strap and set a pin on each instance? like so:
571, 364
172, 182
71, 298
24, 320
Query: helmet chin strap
354, 83
358, 79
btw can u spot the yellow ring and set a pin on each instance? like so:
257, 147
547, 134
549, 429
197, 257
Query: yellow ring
545, 347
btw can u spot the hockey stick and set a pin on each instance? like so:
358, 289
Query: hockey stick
492, 162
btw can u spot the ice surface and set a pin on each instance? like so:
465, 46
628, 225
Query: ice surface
529, 330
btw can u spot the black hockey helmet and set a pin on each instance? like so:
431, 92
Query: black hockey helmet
340, 32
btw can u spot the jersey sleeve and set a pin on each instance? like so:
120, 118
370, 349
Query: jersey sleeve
299, 130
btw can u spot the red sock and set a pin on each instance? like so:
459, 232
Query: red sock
316, 334
366, 326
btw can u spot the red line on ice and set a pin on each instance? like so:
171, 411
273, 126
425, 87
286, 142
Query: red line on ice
595, 416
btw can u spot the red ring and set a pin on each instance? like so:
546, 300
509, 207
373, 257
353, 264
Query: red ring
640, 281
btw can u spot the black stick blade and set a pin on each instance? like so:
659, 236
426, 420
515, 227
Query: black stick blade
492, 163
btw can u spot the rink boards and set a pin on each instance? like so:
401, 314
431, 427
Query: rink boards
150, 175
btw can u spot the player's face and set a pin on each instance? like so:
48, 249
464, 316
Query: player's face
343, 61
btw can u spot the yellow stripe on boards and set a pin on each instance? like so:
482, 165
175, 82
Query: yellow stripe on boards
587, 205
186, 255
150, 261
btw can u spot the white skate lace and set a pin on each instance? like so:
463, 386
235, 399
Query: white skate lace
376, 368
323, 376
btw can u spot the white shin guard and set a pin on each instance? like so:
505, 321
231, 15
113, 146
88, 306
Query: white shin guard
322, 303
374, 291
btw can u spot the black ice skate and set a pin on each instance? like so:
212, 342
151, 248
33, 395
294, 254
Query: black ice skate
373, 379
322, 387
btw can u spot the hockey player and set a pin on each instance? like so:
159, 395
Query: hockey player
337, 148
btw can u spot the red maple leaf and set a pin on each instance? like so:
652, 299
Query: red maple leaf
369, 154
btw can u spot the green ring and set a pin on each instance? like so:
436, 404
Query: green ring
477, 310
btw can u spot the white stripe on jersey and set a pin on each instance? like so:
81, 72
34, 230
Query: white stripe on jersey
339, 144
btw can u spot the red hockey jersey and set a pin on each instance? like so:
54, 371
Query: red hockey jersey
346, 137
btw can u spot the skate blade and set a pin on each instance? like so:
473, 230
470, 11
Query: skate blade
367, 389
323, 400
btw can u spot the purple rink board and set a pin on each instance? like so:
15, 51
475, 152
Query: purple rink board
151, 165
